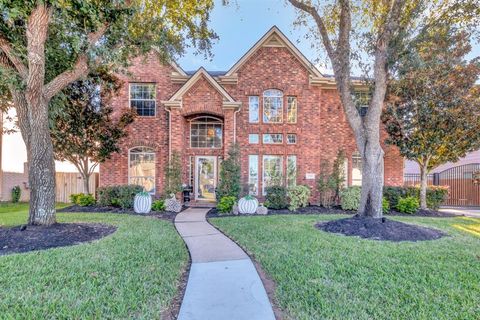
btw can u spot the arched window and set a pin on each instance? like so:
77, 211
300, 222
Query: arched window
272, 106
141, 168
206, 132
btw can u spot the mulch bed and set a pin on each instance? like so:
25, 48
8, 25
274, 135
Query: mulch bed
164, 215
31, 238
213, 213
380, 229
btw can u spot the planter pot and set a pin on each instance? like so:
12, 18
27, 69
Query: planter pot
142, 203
247, 205
173, 205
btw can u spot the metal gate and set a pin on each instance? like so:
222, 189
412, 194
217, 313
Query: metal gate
463, 192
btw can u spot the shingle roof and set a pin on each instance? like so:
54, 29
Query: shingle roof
212, 73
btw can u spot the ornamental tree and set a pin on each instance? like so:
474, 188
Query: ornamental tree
45, 45
82, 128
375, 32
433, 109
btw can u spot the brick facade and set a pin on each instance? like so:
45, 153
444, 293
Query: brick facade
321, 128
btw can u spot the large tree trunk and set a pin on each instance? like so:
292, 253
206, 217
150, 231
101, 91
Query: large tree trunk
372, 181
423, 186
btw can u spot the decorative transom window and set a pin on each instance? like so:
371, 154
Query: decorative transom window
141, 168
253, 138
143, 98
272, 106
356, 169
292, 108
273, 138
206, 132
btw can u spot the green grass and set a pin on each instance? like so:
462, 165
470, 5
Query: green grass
132, 273
329, 276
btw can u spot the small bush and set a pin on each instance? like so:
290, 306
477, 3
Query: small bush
226, 203
385, 206
74, 197
298, 196
276, 197
118, 196
436, 195
350, 198
158, 205
85, 200
392, 194
16, 194
408, 205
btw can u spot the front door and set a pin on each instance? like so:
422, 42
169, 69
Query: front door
205, 178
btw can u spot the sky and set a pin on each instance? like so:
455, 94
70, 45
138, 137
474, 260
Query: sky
238, 25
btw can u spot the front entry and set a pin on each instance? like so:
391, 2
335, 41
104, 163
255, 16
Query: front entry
205, 178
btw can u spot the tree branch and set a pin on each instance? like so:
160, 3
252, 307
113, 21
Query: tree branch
6, 47
80, 68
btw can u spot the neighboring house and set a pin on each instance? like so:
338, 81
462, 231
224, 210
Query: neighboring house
411, 167
285, 115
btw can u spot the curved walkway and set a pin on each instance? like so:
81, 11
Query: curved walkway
223, 282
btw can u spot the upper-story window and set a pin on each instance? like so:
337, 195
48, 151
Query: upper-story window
292, 110
143, 98
362, 101
206, 132
253, 108
272, 106
141, 168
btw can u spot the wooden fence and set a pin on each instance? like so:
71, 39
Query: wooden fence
68, 183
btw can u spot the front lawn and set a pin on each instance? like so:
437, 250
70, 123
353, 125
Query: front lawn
322, 275
132, 273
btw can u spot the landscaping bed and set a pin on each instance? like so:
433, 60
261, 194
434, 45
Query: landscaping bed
31, 238
313, 209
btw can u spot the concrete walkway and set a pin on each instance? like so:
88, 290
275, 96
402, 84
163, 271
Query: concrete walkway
223, 283
469, 212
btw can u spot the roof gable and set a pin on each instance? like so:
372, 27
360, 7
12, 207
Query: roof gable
274, 38
176, 99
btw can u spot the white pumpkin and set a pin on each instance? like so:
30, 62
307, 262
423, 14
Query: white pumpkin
142, 203
248, 205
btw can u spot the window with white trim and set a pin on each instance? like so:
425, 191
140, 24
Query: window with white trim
253, 174
143, 98
253, 138
272, 106
253, 109
141, 168
272, 138
272, 172
206, 132
291, 171
292, 108
291, 138
356, 169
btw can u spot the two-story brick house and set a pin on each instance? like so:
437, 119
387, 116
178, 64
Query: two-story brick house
283, 113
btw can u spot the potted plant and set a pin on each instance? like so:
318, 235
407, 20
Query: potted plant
142, 202
248, 204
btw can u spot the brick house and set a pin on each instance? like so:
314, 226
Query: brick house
284, 114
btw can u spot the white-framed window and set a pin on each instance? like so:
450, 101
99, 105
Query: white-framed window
291, 170
141, 168
253, 174
272, 138
253, 138
206, 132
143, 98
292, 109
291, 138
272, 172
356, 169
272, 106
253, 109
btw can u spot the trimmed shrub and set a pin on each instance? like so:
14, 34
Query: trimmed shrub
82, 199
350, 198
158, 205
385, 206
16, 194
392, 194
298, 196
436, 195
276, 197
408, 205
118, 196
74, 197
226, 203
